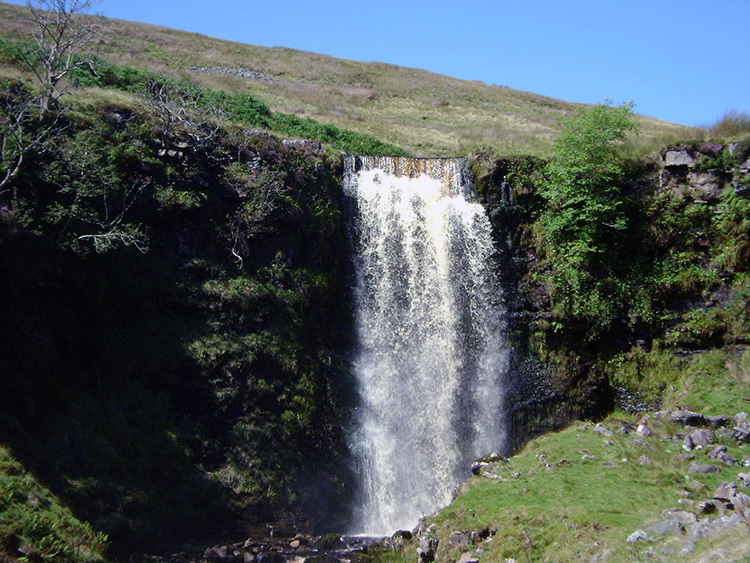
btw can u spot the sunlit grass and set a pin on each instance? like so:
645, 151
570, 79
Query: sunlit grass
576, 494
426, 113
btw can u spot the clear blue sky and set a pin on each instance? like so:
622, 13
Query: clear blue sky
683, 61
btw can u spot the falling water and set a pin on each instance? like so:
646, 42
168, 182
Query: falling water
431, 355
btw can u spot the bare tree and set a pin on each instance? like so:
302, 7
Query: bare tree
20, 133
180, 116
63, 37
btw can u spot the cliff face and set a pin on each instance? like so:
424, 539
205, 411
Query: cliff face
687, 255
201, 386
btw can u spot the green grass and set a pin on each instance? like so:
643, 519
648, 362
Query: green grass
35, 523
580, 508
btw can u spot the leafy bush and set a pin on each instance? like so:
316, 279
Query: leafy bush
584, 213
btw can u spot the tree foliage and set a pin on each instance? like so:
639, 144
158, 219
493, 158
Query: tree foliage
584, 212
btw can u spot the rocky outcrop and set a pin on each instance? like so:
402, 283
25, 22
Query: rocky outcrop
703, 170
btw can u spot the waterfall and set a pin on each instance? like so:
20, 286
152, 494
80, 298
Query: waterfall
431, 355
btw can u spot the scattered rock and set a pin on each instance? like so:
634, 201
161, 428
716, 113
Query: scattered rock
670, 527
685, 457
701, 438
713, 454
688, 418
241, 72
719, 421
645, 460
468, 557
603, 430
427, 548
703, 468
639, 535
726, 491
458, 539
644, 431
726, 459
680, 514
741, 432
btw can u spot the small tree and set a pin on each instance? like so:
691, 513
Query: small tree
20, 135
584, 212
584, 222
62, 37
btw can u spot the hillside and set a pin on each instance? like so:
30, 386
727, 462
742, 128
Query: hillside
425, 113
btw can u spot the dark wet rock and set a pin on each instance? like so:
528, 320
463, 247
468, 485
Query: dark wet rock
476, 467
329, 542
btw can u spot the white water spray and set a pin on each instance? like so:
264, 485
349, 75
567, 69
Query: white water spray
431, 355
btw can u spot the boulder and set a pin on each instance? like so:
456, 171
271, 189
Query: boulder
458, 539
427, 548
714, 453
688, 418
726, 491
726, 459
701, 438
706, 185
741, 432
671, 527
644, 431
681, 515
678, 159
639, 535
703, 468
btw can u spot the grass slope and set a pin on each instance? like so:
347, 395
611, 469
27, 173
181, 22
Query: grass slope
578, 494
35, 525
425, 113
